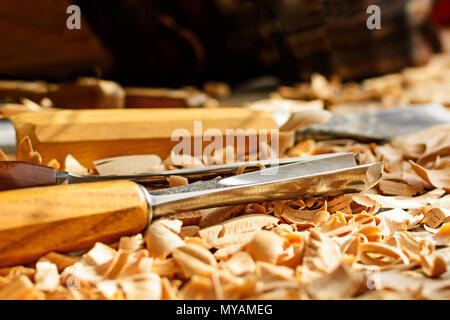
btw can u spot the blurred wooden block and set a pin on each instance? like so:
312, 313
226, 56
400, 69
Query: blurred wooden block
85, 93
91, 135
164, 98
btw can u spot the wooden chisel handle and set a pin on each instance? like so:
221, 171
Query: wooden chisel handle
67, 218
18, 175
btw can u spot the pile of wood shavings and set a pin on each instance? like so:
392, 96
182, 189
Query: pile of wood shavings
415, 85
389, 243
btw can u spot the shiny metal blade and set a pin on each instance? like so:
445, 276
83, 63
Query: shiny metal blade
295, 170
215, 194
7, 136
192, 173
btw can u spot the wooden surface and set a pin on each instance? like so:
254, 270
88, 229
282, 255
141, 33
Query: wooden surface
91, 135
163, 98
67, 218
84, 93
17, 175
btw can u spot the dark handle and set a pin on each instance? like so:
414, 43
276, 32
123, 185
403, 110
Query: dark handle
18, 175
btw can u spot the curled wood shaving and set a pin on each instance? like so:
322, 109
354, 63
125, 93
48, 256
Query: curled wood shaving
54, 164
383, 251
306, 118
177, 181
238, 226
73, 166
161, 240
360, 202
391, 202
217, 215
265, 246
240, 263
195, 259
340, 203
25, 152
127, 165
388, 187
437, 178
442, 237
304, 218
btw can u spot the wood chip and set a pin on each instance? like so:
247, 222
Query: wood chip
438, 178
61, 261
177, 181
341, 283
161, 241
46, 277
442, 237
240, 263
21, 288
128, 165
265, 246
73, 166
142, 287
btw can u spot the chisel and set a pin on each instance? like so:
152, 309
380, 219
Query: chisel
18, 174
67, 218
90, 135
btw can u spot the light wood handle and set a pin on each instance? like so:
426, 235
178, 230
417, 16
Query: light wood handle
67, 218
90, 135
17, 175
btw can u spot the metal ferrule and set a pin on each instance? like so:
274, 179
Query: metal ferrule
8, 137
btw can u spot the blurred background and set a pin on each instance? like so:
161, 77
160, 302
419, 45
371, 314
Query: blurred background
187, 42
246, 48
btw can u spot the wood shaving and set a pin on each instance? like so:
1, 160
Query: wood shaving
46, 277
391, 242
21, 288
240, 263
177, 181
25, 152
3, 156
128, 165
73, 166
437, 178
442, 237
265, 246
161, 241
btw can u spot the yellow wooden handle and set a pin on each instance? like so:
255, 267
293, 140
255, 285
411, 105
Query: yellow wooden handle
67, 218
90, 135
